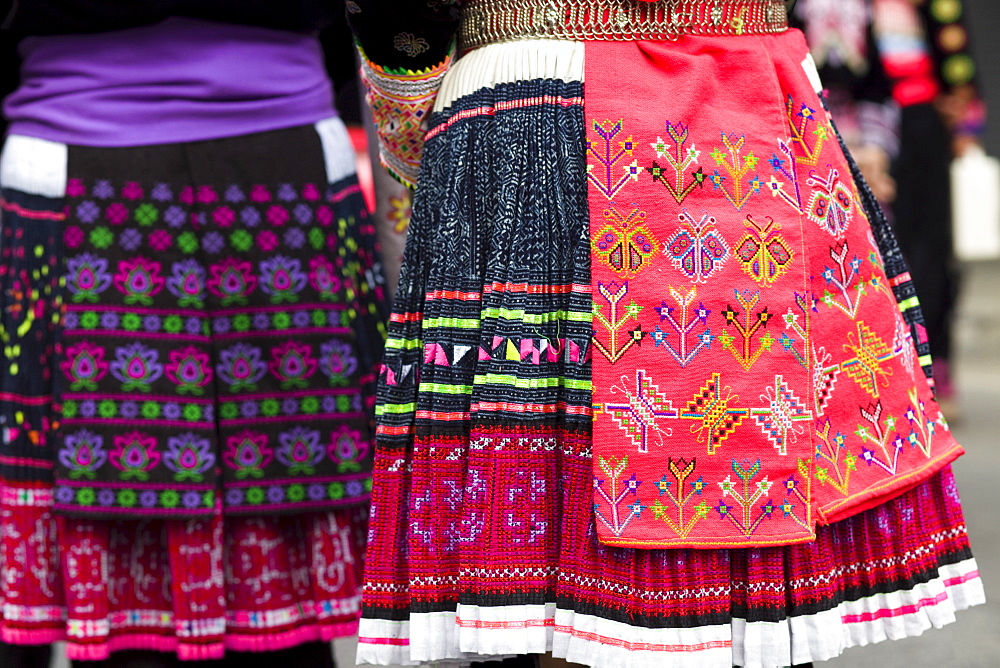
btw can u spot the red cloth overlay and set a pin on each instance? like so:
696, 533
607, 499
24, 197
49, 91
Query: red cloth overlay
752, 373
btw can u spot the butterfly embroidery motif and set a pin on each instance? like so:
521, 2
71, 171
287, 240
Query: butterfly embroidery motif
763, 252
698, 248
831, 205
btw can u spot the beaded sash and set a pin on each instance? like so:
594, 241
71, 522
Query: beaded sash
490, 21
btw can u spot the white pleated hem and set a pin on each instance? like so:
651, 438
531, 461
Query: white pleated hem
477, 633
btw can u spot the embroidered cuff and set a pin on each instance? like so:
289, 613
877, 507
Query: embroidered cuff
401, 103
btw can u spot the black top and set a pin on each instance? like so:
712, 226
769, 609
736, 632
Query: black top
404, 34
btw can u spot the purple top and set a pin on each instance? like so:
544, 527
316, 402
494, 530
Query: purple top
176, 81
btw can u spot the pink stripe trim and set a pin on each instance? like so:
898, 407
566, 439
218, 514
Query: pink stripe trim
324, 504
398, 642
961, 579
146, 335
302, 481
643, 646
136, 485
26, 400
24, 461
14, 636
70, 308
180, 424
124, 396
272, 309
895, 612
899, 280
111, 511
271, 642
505, 106
343, 194
298, 393
283, 332
29, 214
291, 418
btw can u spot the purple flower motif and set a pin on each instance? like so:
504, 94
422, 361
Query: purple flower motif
286, 193
329, 404
87, 277
88, 408
65, 495
151, 323
249, 408
148, 498
354, 488
208, 413
213, 242
300, 450
129, 409
275, 494
295, 237
221, 325
234, 194
234, 497
240, 367
174, 216
281, 278
71, 320
130, 239
103, 189
161, 193
110, 320
136, 366
88, 211
290, 406
250, 216
172, 411
301, 319
303, 214
316, 492
105, 497
192, 325
83, 453
261, 321
337, 361
191, 499
187, 283
189, 456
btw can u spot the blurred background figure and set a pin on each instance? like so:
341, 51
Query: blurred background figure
925, 49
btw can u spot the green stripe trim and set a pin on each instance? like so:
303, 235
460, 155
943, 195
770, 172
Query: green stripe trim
538, 318
404, 344
456, 323
444, 388
395, 409
907, 304
531, 383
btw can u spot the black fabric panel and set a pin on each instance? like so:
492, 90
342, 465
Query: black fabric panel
404, 34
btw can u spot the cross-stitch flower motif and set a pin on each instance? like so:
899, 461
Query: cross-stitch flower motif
323, 278
189, 456
240, 367
300, 450
83, 453
232, 281
139, 279
84, 366
347, 448
135, 455
136, 366
292, 364
337, 362
188, 283
86, 277
282, 278
190, 369
247, 454
410, 44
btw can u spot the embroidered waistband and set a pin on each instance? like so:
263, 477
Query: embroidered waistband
490, 21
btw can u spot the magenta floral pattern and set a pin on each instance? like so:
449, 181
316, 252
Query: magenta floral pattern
215, 344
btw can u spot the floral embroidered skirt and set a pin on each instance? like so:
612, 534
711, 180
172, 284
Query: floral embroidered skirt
483, 539
190, 337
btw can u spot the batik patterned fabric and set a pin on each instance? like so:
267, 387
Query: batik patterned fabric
195, 588
218, 334
752, 373
483, 539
